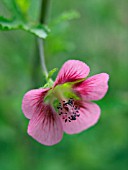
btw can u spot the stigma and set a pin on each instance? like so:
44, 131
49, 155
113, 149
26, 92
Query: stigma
68, 110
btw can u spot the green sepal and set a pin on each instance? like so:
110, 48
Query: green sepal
71, 95
75, 82
49, 84
68, 90
63, 91
51, 73
48, 97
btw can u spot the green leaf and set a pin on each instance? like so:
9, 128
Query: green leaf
14, 8
39, 30
6, 24
66, 16
51, 73
23, 5
69, 15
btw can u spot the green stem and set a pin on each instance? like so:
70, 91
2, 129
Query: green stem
42, 58
44, 8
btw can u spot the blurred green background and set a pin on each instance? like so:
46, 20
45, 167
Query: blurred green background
99, 38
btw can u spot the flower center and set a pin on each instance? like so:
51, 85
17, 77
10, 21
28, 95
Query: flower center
68, 110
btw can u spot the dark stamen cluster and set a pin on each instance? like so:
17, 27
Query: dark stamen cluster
68, 110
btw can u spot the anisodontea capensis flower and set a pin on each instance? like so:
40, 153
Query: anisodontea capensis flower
66, 106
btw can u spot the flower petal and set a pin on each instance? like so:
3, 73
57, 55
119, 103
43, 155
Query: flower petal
46, 127
31, 101
94, 88
89, 115
72, 70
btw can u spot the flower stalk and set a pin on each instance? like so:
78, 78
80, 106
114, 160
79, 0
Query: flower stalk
44, 8
42, 57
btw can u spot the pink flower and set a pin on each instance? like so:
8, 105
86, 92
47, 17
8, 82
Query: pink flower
66, 106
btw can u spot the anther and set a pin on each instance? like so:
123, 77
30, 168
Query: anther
68, 110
